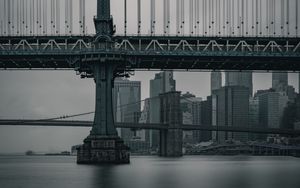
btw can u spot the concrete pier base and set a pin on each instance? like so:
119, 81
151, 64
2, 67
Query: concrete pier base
103, 150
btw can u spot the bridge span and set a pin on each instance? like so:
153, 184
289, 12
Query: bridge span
155, 126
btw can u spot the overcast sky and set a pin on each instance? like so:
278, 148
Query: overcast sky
42, 94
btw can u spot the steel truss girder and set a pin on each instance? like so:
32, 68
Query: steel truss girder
142, 52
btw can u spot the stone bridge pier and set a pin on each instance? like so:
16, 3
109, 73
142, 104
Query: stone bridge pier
170, 114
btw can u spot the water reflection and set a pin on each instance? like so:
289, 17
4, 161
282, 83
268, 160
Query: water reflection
153, 172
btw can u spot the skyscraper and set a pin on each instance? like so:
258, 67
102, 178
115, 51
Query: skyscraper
162, 83
191, 114
231, 108
215, 81
126, 104
239, 79
279, 81
271, 107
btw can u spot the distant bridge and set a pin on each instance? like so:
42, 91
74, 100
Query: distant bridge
156, 126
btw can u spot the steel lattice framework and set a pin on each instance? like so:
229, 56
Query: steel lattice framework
148, 52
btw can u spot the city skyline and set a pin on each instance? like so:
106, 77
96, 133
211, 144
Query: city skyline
67, 94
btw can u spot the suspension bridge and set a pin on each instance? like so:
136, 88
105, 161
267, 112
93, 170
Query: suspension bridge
164, 35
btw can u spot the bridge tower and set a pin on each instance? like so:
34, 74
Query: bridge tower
170, 139
103, 144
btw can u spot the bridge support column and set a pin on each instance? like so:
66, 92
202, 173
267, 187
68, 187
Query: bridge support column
103, 144
170, 139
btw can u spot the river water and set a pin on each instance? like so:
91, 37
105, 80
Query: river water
151, 172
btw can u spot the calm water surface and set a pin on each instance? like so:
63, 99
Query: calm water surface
151, 172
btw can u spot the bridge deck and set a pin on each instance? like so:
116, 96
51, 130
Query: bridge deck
157, 126
151, 52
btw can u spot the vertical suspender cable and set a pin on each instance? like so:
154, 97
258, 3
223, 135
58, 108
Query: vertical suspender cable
274, 17
228, 17
164, 16
212, 18
209, 16
37, 16
18, 21
204, 16
31, 16
282, 17
182, 17
288, 17
45, 17
177, 17
260, 17
52, 17
168, 16
57, 16
233, 10
125, 17
296, 27
191, 16
152, 20
71, 16
252, 18
41, 16
245, 17
66, 17
197, 12
12, 17
2, 24
8, 16
23, 17
83, 18
80, 17
239, 18
219, 11
139, 17
17, 17
26, 17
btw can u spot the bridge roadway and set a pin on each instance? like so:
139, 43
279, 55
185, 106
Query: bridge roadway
151, 52
157, 126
